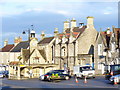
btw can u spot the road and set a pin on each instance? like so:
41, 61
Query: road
98, 82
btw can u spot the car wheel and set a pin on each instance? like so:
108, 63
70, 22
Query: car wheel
66, 78
75, 76
93, 77
49, 79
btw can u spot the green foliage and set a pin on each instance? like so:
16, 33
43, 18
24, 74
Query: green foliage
56, 75
19, 57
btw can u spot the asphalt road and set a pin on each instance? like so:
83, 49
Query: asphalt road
98, 82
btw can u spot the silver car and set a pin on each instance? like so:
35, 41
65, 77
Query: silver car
115, 77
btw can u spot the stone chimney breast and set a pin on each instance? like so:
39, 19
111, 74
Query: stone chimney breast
90, 21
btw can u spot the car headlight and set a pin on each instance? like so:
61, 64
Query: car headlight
85, 74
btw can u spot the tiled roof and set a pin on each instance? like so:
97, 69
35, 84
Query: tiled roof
46, 40
7, 48
19, 46
76, 32
81, 30
105, 33
67, 30
15, 63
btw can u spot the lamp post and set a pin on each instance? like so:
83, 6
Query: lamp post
24, 32
67, 51
60, 53
74, 51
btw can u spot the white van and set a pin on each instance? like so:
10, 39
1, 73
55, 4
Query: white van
82, 71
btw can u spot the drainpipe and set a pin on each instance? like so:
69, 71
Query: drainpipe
74, 51
60, 55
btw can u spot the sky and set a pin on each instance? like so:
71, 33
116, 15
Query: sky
45, 15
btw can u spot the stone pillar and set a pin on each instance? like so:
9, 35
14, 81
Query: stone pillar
9, 72
18, 73
44, 70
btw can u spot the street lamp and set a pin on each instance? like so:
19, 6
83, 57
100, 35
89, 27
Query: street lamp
60, 43
24, 32
67, 51
74, 51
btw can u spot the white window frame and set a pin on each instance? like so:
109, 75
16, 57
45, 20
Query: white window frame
99, 49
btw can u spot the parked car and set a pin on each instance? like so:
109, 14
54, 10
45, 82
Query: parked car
1, 74
82, 71
111, 70
112, 78
54, 75
63, 71
4, 74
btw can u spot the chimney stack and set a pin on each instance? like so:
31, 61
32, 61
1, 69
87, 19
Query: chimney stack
108, 30
42, 35
17, 40
73, 23
66, 24
55, 32
90, 21
5, 42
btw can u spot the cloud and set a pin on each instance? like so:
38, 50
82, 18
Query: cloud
9, 34
63, 12
107, 13
46, 35
59, 1
34, 9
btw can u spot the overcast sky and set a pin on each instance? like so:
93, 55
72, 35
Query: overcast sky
46, 15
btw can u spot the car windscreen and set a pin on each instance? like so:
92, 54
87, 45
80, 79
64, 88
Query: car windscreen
115, 67
85, 68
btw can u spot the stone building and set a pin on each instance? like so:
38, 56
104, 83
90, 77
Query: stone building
75, 45
115, 46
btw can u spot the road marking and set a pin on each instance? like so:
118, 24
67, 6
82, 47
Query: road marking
80, 85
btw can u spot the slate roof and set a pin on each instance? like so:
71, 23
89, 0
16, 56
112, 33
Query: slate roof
107, 38
25, 54
46, 40
19, 46
42, 52
15, 63
7, 48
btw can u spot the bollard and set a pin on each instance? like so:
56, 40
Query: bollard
115, 81
85, 80
76, 80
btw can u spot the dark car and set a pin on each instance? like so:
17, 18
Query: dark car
111, 70
54, 75
6, 74
63, 71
